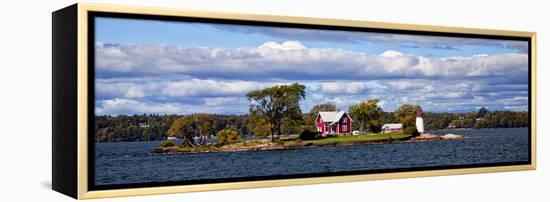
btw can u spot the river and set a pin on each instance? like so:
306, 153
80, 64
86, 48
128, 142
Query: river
131, 162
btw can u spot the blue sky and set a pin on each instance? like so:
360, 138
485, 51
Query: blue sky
148, 66
133, 31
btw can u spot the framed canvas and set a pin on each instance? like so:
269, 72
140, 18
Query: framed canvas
157, 100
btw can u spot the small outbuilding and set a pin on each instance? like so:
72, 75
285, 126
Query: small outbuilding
392, 128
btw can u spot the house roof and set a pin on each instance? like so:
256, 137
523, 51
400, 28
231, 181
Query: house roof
393, 126
332, 117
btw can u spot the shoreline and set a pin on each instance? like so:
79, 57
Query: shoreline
456, 129
272, 146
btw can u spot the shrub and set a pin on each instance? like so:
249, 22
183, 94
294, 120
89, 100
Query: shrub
228, 136
374, 126
279, 143
167, 143
298, 141
309, 135
411, 130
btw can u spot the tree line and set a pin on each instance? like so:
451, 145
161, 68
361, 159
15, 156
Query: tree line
275, 112
155, 127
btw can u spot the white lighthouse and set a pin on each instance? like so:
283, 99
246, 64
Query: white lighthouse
419, 120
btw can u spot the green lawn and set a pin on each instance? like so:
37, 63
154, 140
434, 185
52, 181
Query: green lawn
377, 136
245, 145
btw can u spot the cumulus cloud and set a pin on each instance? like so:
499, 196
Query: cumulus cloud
128, 106
433, 95
287, 45
292, 60
156, 87
119, 106
411, 41
343, 87
198, 87
134, 79
391, 54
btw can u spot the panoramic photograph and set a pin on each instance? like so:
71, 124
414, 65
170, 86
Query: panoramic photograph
183, 101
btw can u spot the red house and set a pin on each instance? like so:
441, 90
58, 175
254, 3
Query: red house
333, 123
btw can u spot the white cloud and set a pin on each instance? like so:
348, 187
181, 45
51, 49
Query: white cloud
405, 84
134, 93
229, 96
226, 101
287, 45
433, 95
128, 106
168, 89
291, 60
134, 79
391, 54
198, 87
343, 87
438, 42
124, 88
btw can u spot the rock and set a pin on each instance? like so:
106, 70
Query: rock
452, 136
159, 151
426, 136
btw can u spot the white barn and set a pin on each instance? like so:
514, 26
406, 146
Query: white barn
392, 128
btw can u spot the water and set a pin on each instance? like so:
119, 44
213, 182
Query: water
131, 162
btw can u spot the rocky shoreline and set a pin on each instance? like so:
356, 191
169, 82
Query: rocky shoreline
273, 146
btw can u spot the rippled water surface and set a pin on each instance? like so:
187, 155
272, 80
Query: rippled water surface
131, 162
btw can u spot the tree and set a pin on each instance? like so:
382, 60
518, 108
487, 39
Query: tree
277, 103
259, 125
204, 125
308, 123
324, 107
366, 114
374, 126
183, 128
291, 125
228, 136
481, 113
406, 114
411, 131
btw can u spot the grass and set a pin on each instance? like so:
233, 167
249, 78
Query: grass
244, 143
347, 138
251, 144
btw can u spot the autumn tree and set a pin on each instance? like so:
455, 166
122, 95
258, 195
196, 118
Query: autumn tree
183, 128
278, 103
367, 115
228, 136
406, 114
204, 125
324, 107
259, 125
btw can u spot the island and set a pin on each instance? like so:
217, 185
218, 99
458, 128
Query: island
290, 143
275, 117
